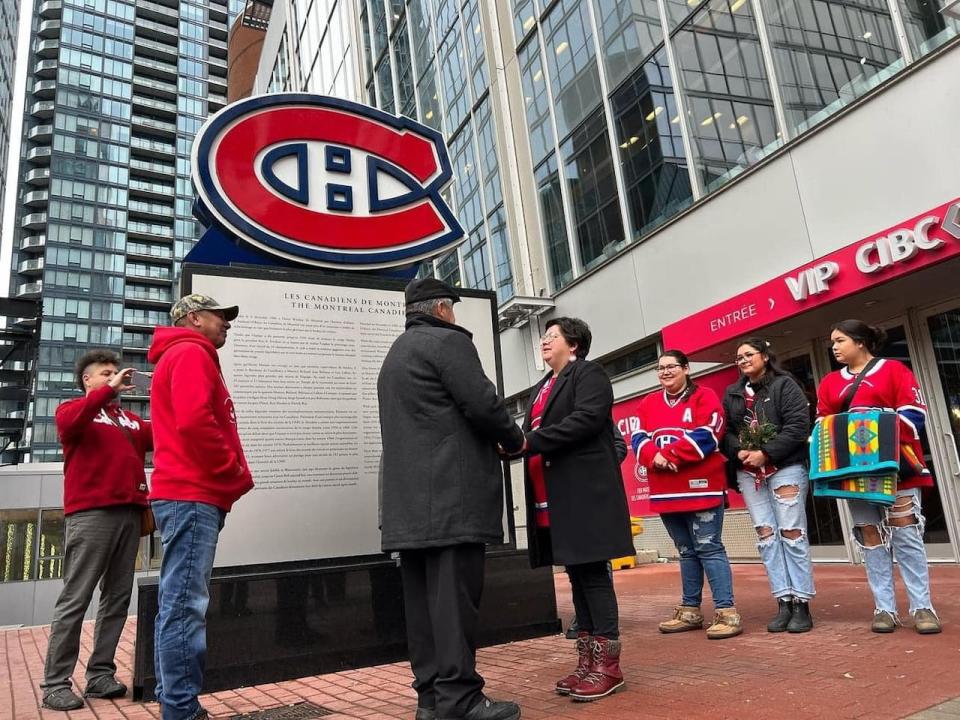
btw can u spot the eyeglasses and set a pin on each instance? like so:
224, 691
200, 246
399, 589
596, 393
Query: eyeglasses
548, 338
668, 368
746, 357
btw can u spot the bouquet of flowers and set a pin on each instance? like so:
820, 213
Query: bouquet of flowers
753, 436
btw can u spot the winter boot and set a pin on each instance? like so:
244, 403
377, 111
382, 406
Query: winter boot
726, 624
685, 617
604, 677
585, 653
801, 621
784, 613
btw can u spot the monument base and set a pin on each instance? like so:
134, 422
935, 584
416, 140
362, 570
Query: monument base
278, 622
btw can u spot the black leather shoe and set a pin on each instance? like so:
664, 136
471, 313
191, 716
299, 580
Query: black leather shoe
426, 714
105, 686
801, 621
784, 613
62, 699
488, 709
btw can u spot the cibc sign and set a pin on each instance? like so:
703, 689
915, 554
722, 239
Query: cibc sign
321, 181
916, 243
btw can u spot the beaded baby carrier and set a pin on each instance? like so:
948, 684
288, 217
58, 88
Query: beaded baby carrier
856, 455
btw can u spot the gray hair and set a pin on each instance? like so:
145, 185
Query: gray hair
428, 307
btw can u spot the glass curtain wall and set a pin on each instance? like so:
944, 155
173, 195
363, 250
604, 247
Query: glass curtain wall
434, 49
679, 133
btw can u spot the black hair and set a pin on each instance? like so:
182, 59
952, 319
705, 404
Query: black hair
94, 357
575, 331
872, 337
684, 362
763, 346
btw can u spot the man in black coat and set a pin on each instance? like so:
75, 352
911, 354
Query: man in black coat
440, 423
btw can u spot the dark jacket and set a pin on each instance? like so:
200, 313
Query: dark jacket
440, 422
778, 400
589, 520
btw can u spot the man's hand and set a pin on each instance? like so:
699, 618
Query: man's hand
510, 456
122, 381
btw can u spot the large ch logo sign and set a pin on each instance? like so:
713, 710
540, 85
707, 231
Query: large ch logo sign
326, 182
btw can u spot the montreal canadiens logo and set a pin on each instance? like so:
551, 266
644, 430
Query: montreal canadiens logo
325, 181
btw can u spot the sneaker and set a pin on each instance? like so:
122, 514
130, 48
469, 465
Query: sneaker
726, 624
926, 622
62, 699
105, 686
685, 617
883, 622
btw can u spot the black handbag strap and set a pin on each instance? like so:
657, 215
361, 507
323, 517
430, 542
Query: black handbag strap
856, 384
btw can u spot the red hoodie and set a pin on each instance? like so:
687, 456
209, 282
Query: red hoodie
197, 455
101, 466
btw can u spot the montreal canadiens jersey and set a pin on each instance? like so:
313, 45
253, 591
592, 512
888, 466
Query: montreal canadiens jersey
687, 434
890, 385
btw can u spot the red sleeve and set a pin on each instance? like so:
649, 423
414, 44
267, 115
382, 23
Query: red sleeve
704, 438
194, 378
827, 401
908, 402
642, 440
73, 417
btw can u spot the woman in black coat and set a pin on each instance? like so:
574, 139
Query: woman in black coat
576, 507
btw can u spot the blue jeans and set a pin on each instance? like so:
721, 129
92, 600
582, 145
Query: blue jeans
787, 560
905, 543
188, 531
698, 537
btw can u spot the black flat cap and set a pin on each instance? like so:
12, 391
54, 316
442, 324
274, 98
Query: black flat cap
429, 289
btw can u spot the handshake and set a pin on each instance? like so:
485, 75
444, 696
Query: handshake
504, 455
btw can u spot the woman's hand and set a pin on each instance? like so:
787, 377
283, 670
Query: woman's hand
661, 463
753, 458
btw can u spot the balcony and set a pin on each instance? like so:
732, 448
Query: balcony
216, 102
45, 68
148, 231
136, 341
152, 148
34, 221
155, 68
47, 48
33, 243
161, 51
151, 295
215, 62
152, 253
38, 176
217, 44
40, 155
156, 87
40, 133
159, 107
33, 266
156, 11
158, 31
43, 109
151, 189
218, 12
220, 82
44, 89
30, 290
148, 273
154, 125
156, 211
159, 171
36, 198
51, 9
49, 29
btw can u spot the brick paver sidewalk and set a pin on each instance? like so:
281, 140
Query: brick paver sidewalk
840, 670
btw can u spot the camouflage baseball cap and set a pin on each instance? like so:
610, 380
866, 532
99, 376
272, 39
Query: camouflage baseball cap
191, 303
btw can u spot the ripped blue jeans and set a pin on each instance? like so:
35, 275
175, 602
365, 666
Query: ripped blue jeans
786, 560
698, 538
903, 543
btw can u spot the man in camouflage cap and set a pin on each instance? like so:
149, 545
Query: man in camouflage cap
199, 472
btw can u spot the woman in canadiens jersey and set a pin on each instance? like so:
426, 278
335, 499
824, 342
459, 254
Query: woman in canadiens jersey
577, 512
677, 446
897, 531
772, 475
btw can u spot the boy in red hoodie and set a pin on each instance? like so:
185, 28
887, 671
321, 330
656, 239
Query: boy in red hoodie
199, 472
104, 495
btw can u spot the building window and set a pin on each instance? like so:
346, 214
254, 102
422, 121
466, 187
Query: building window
385, 85
588, 170
537, 100
928, 26
726, 90
448, 269
632, 358
650, 145
524, 18
18, 531
401, 52
51, 545
452, 74
828, 53
553, 223
629, 32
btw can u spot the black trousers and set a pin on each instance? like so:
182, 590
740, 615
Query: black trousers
594, 599
441, 595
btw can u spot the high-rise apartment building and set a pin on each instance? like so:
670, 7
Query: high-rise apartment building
9, 19
116, 92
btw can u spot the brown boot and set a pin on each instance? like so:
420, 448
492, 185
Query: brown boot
685, 617
726, 624
584, 651
604, 677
